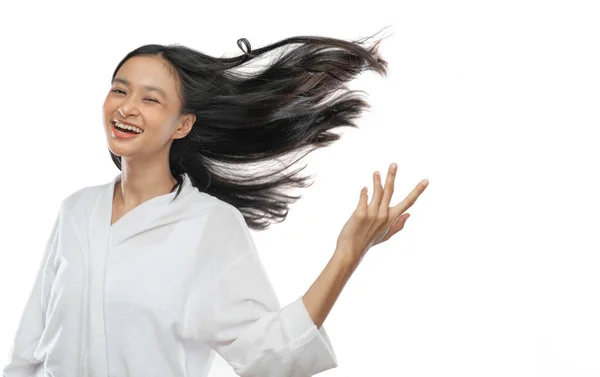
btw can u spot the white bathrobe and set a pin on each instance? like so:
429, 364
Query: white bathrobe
157, 294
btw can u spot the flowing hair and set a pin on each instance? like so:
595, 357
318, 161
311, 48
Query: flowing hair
242, 118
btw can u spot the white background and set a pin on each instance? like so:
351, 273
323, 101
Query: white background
496, 272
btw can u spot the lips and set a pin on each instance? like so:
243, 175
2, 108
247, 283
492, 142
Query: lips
122, 134
138, 128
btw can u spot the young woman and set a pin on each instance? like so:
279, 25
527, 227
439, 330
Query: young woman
154, 272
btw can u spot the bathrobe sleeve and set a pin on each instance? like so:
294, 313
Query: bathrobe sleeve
244, 322
23, 361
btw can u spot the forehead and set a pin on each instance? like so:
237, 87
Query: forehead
148, 71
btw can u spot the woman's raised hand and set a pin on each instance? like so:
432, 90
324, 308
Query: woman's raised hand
376, 222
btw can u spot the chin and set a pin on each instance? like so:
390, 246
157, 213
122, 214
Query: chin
118, 148
118, 152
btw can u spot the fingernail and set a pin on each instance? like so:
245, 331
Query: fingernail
426, 182
394, 166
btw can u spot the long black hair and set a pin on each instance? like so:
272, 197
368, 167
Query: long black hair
244, 118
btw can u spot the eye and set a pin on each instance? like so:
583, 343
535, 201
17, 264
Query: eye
118, 91
152, 100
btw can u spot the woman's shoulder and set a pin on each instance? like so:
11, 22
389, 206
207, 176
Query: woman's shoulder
215, 212
216, 209
84, 196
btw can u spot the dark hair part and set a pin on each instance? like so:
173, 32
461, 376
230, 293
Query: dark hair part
243, 118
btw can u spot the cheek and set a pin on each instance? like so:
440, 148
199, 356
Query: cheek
159, 120
167, 128
108, 107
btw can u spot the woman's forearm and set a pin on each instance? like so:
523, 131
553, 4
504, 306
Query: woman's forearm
323, 293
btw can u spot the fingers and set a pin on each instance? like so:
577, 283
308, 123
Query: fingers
377, 193
361, 209
380, 201
377, 214
389, 186
410, 199
383, 195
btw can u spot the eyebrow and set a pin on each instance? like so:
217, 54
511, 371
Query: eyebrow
146, 87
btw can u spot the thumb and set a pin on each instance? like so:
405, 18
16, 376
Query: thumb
397, 226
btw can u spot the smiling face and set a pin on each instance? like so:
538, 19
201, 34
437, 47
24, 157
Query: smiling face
142, 109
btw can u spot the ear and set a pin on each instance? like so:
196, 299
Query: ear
186, 123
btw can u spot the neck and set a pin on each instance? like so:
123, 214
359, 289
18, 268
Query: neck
142, 180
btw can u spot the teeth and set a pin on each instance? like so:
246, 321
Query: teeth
127, 127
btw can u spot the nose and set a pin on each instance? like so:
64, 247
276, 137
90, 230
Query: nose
129, 107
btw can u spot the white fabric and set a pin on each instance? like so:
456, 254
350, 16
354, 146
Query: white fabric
157, 293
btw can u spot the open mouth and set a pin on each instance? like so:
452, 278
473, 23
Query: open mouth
126, 129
